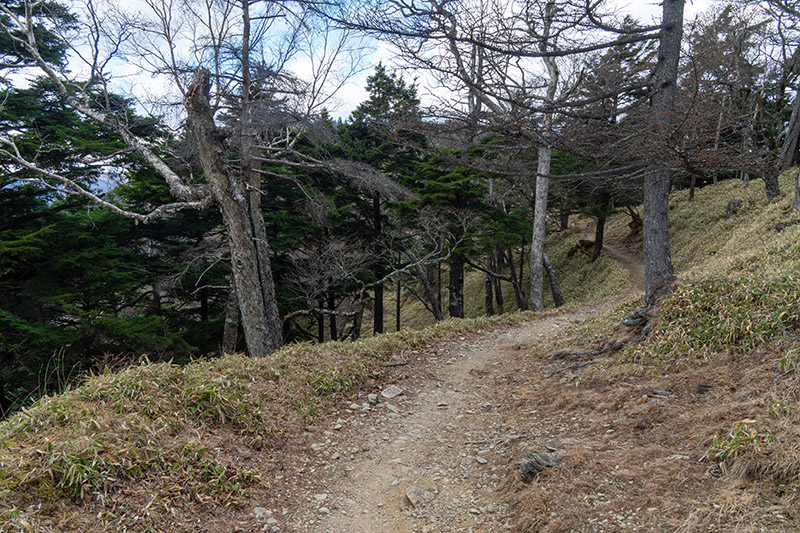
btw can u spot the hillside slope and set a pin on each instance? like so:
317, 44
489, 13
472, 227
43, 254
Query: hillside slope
693, 429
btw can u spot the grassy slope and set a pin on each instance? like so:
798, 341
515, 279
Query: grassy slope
727, 344
150, 428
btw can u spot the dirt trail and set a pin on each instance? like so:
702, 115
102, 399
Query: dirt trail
447, 442
446, 445
629, 261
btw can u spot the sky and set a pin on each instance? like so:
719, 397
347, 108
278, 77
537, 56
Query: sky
647, 12
354, 92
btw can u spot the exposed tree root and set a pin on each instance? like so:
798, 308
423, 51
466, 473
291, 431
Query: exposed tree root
640, 323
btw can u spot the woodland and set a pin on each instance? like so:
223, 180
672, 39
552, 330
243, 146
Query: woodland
175, 184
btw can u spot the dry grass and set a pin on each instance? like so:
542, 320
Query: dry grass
722, 451
179, 436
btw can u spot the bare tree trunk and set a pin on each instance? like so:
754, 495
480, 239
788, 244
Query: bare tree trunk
253, 184
537, 238
430, 288
543, 169
230, 332
771, 183
455, 302
255, 289
796, 204
657, 260
332, 317
599, 230
555, 288
522, 304
377, 321
156, 299
397, 304
321, 322
789, 148
488, 300
498, 261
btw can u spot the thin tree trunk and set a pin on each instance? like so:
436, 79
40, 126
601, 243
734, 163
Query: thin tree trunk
321, 322
439, 284
379, 270
253, 184
397, 303
543, 169
204, 304
555, 287
771, 184
717, 136
230, 332
332, 318
522, 304
488, 300
430, 290
796, 204
600, 227
657, 260
789, 148
455, 302
498, 288
156, 299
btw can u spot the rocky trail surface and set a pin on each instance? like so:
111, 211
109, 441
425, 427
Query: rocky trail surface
431, 452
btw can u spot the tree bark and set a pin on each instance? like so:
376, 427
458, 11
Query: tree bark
498, 261
397, 305
515, 282
379, 270
789, 148
658, 270
599, 229
555, 287
796, 204
543, 169
253, 185
332, 318
431, 288
488, 299
156, 299
230, 332
455, 302
254, 284
537, 238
